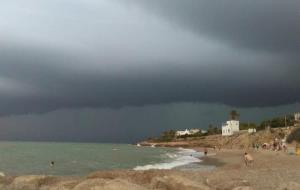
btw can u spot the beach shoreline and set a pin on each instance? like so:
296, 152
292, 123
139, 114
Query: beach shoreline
271, 170
211, 161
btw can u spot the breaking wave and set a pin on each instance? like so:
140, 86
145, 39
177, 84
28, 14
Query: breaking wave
180, 158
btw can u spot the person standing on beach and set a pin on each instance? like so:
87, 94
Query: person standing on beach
205, 151
248, 159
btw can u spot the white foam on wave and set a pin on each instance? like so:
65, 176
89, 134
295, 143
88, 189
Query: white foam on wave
169, 155
181, 158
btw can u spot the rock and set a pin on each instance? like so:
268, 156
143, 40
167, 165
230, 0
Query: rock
229, 183
177, 183
289, 186
104, 184
63, 185
242, 188
119, 184
5, 182
30, 182
94, 184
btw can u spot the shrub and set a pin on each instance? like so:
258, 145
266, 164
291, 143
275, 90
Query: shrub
294, 136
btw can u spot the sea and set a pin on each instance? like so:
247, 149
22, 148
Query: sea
77, 159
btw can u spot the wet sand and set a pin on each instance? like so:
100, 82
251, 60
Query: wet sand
212, 161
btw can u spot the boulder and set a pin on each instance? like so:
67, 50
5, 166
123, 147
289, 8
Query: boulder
177, 183
243, 188
289, 186
104, 184
62, 185
30, 182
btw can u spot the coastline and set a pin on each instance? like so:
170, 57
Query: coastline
271, 170
212, 161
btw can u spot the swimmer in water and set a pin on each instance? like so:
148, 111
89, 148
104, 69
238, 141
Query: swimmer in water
52, 163
205, 151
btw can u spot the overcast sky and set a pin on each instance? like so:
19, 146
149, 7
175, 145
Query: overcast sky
59, 57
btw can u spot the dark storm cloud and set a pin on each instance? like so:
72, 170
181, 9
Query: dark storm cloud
269, 25
57, 89
54, 88
108, 54
128, 124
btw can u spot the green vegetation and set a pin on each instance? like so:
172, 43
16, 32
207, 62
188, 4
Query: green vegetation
213, 130
294, 136
167, 136
277, 122
246, 126
170, 135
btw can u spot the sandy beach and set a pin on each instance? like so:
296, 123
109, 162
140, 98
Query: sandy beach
271, 170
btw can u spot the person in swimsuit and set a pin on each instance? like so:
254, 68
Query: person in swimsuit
248, 159
205, 151
52, 163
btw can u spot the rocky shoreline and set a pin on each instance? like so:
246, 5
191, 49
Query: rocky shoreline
271, 170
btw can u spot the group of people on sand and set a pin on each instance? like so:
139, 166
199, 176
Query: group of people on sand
275, 145
278, 145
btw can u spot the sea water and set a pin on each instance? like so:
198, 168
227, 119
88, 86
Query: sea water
20, 158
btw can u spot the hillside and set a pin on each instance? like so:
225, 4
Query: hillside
240, 140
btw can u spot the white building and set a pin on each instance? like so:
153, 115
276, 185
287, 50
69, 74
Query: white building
194, 131
297, 117
252, 130
230, 127
182, 133
187, 132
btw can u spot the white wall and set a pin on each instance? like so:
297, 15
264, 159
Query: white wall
230, 127
252, 130
226, 130
235, 125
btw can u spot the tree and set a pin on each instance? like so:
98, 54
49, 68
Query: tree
213, 130
278, 122
234, 115
245, 126
168, 135
263, 125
